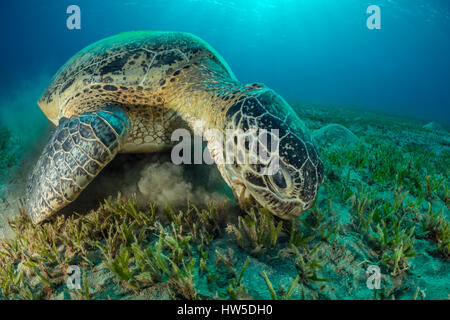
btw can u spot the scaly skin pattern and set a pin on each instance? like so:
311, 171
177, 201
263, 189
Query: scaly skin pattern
76, 152
154, 83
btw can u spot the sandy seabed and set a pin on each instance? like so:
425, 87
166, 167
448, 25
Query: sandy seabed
384, 203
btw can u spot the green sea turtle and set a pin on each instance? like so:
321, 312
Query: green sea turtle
129, 92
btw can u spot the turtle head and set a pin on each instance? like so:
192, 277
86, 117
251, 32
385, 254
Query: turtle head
269, 156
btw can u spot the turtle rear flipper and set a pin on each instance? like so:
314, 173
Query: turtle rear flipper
79, 148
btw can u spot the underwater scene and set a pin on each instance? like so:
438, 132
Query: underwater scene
225, 150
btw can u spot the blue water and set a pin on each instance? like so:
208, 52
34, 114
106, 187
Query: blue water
310, 51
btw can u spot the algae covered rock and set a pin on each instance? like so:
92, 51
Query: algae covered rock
434, 126
335, 135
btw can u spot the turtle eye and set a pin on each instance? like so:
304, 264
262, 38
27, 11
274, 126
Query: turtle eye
278, 180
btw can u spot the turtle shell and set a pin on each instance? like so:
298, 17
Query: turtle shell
131, 61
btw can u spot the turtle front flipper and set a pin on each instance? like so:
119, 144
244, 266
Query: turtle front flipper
79, 148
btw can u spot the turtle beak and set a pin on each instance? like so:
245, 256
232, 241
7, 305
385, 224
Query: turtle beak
295, 212
244, 197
